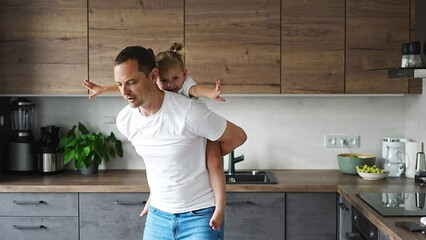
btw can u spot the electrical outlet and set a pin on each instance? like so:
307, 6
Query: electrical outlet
108, 120
336, 141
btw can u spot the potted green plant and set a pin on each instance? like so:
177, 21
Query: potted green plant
89, 149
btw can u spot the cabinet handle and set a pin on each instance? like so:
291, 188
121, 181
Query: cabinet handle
343, 206
28, 202
130, 202
234, 203
29, 227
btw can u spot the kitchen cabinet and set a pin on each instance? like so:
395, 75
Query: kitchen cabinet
254, 216
154, 24
237, 41
43, 47
313, 46
311, 216
111, 215
345, 218
375, 31
39, 216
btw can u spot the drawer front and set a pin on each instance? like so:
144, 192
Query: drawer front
38, 204
253, 216
111, 216
39, 228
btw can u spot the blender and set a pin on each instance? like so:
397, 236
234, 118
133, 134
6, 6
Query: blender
21, 142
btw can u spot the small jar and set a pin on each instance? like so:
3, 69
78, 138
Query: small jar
405, 53
414, 58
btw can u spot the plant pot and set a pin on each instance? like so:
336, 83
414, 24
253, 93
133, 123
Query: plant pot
92, 169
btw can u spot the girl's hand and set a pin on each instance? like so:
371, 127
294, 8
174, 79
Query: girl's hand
215, 94
216, 220
94, 88
145, 210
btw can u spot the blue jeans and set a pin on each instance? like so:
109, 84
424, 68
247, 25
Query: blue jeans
193, 225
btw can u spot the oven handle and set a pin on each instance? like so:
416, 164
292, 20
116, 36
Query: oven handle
353, 236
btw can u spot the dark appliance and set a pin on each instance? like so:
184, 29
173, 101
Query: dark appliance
362, 228
5, 130
396, 204
49, 159
21, 142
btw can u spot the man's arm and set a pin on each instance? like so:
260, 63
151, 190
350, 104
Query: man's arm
233, 137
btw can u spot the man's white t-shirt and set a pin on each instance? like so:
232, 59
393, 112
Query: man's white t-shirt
172, 143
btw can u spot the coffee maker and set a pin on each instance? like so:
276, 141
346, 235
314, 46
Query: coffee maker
49, 158
21, 142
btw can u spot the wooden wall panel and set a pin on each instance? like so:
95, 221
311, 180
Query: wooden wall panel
375, 31
43, 46
237, 41
313, 45
115, 25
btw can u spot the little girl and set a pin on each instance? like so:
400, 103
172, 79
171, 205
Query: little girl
173, 77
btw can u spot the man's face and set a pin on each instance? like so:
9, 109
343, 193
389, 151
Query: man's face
134, 86
171, 79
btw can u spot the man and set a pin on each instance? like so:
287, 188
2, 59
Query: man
170, 131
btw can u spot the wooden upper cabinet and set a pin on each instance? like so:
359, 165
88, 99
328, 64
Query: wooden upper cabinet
43, 46
237, 41
375, 31
113, 25
313, 46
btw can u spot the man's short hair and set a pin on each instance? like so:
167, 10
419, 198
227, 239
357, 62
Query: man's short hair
144, 57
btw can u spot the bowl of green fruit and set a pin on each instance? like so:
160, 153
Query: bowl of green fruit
348, 161
371, 172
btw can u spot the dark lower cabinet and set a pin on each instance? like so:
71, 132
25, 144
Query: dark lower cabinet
111, 216
311, 216
254, 216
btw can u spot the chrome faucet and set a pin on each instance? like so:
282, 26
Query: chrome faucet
232, 161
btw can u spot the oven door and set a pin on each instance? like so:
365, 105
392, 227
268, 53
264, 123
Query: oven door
362, 228
354, 235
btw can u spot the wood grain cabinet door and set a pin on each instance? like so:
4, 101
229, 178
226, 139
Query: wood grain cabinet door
113, 25
237, 41
43, 46
313, 45
375, 31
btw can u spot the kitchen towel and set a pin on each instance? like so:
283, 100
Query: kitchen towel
411, 150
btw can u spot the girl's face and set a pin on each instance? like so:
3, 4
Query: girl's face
171, 79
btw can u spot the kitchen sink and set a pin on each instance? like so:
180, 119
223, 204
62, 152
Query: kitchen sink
250, 177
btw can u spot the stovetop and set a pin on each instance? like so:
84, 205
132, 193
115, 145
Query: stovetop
396, 204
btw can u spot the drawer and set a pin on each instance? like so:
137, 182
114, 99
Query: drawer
39, 228
38, 204
111, 216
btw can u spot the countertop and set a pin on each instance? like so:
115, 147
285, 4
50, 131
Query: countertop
288, 181
384, 224
135, 181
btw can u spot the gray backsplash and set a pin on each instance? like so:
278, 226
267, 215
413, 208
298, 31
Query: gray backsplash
284, 132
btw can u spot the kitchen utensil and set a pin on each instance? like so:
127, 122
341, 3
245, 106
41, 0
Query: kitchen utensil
21, 143
420, 168
411, 150
392, 141
49, 159
394, 161
348, 161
